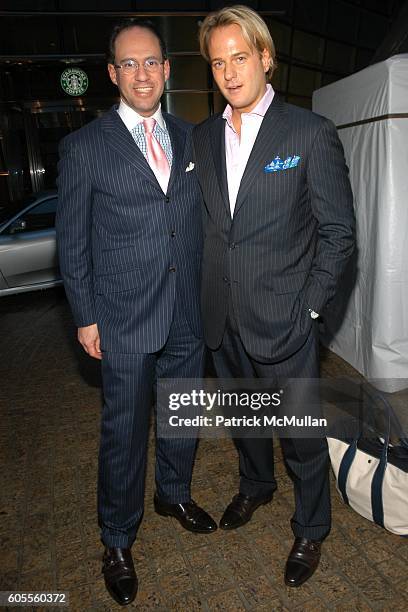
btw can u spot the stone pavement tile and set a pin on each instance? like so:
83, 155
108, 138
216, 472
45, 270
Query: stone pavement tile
398, 604
340, 549
314, 605
403, 586
274, 605
356, 566
189, 602
377, 549
213, 577
80, 599
357, 604
9, 580
189, 540
70, 555
201, 556
173, 562
295, 597
9, 558
175, 583
35, 559
257, 591
331, 587
394, 569
159, 547
378, 591
270, 548
227, 600
69, 577
37, 581
400, 545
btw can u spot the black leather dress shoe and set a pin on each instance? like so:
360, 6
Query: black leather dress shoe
120, 576
302, 561
189, 515
241, 509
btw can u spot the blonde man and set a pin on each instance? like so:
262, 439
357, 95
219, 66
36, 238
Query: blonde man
279, 231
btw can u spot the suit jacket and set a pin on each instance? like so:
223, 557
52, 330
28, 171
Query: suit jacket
292, 233
127, 249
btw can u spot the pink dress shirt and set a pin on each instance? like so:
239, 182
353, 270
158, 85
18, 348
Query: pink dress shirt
238, 150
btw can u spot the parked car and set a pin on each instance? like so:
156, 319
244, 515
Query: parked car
28, 252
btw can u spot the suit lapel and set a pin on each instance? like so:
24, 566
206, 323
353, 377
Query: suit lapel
265, 148
121, 141
178, 141
217, 136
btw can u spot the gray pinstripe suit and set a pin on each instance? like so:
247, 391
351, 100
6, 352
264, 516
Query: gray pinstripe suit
283, 252
130, 258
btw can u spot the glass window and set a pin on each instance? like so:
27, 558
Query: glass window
285, 8
373, 29
280, 77
193, 107
180, 33
188, 72
343, 21
300, 101
307, 47
311, 15
339, 57
22, 35
363, 58
280, 34
303, 82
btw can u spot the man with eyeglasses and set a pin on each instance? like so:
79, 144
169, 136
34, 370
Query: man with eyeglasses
129, 236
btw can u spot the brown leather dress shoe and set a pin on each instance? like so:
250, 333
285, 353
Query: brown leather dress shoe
120, 576
302, 561
241, 509
189, 515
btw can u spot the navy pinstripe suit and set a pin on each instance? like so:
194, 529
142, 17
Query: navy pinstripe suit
283, 252
130, 258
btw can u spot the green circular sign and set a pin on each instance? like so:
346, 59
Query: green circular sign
74, 81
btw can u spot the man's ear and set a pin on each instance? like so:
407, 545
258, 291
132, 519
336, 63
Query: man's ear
266, 60
166, 67
112, 74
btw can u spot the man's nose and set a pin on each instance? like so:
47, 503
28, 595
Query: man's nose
230, 71
141, 73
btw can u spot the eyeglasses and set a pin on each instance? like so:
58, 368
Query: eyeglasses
131, 66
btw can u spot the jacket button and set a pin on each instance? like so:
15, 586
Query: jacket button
167, 199
226, 279
173, 233
172, 269
232, 246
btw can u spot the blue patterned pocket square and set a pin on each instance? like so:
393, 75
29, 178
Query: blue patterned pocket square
282, 164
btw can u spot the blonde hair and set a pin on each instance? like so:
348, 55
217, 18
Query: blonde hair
254, 30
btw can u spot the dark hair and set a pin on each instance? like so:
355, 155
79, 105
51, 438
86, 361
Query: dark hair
126, 24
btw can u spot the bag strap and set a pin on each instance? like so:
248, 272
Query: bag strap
378, 478
344, 469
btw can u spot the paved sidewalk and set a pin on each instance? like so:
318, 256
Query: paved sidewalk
49, 540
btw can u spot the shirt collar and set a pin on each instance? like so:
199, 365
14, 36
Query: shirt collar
131, 118
259, 110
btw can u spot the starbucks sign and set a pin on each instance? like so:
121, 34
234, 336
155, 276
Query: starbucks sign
74, 81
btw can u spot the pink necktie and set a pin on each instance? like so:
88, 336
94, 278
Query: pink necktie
155, 154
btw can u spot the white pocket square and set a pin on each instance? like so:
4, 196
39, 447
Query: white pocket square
190, 167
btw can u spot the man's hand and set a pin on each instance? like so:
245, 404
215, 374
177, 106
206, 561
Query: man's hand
89, 338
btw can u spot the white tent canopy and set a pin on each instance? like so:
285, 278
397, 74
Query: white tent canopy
370, 110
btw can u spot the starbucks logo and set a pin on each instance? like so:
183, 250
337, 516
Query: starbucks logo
74, 81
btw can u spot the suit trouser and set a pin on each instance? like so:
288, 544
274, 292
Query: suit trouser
128, 386
307, 460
